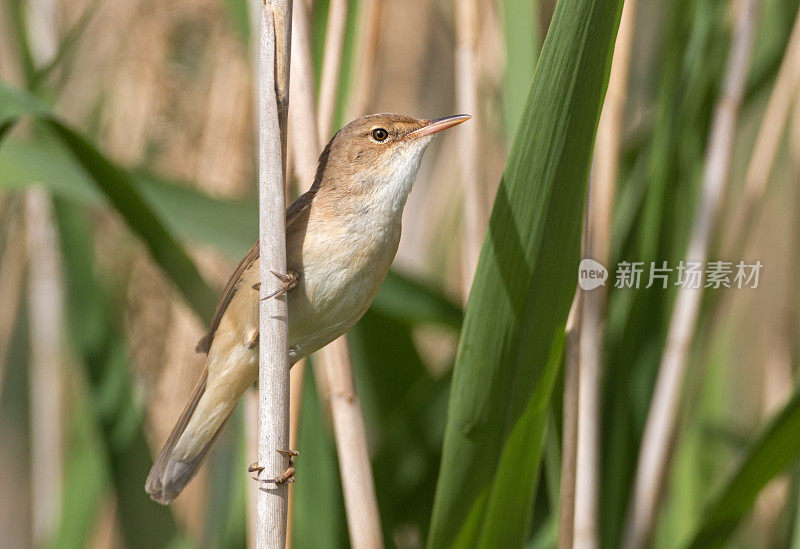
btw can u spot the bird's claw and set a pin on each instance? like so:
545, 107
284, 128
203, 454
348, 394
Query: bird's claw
254, 468
287, 477
288, 282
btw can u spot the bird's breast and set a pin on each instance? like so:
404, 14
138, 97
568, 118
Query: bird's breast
342, 266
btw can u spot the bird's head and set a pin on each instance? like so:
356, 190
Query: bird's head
376, 157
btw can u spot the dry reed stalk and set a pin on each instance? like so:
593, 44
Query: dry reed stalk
768, 140
598, 247
296, 380
42, 27
369, 26
569, 442
11, 69
308, 134
12, 272
46, 314
776, 389
105, 530
331, 67
475, 214
250, 403
363, 520
273, 380
296, 377
661, 419
777, 374
304, 149
305, 145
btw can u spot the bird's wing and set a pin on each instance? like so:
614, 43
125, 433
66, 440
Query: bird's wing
297, 211
231, 287
295, 214
155, 485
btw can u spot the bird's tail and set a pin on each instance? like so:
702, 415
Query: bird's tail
183, 452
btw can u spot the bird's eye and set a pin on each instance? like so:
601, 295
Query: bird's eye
379, 134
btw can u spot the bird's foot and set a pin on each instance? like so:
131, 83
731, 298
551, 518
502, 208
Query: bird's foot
287, 477
288, 282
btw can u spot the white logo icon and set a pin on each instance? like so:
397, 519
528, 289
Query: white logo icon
591, 274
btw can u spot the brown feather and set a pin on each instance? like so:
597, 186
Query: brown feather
204, 345
153, 485
294, 213
341, 237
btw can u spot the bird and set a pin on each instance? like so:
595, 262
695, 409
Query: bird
341, 238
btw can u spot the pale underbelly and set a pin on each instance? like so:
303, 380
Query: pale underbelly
334, 290
329, 302
329, 299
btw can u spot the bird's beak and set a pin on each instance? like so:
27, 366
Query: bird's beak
434, 126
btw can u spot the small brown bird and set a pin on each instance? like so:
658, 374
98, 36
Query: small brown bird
341, 238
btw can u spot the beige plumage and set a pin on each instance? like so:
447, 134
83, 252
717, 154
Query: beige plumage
341, 238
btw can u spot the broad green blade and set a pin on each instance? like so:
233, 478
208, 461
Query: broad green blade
525, 280
510, 500
776, 449
46, 163
521, 20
